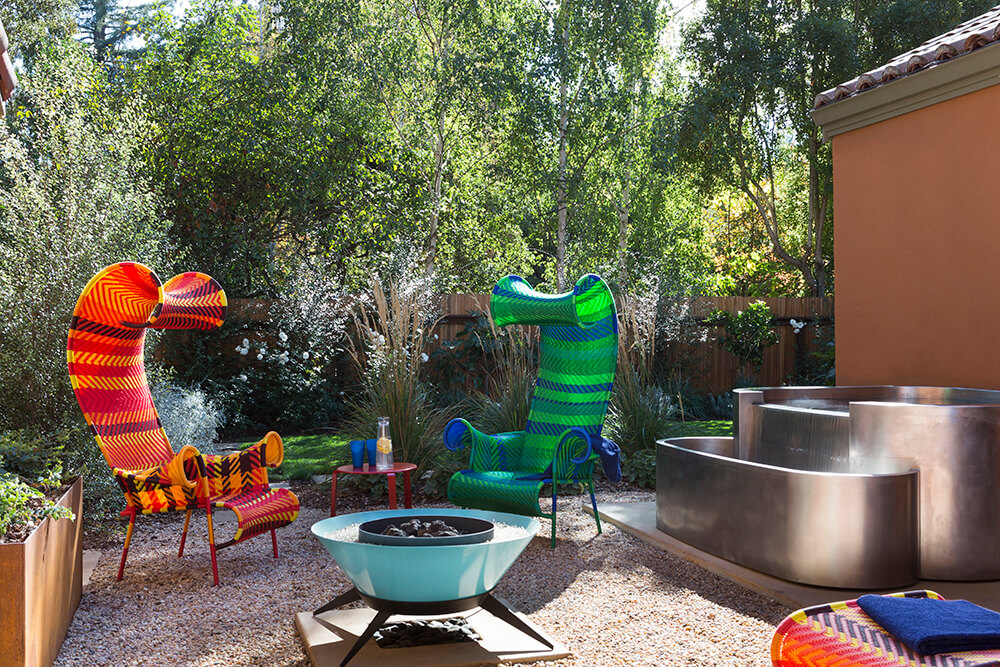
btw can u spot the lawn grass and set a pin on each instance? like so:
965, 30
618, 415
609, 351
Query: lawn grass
308, 455
715, 428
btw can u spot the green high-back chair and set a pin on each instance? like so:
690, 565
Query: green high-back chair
578, 352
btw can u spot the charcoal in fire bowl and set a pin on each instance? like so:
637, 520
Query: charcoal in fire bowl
471, 531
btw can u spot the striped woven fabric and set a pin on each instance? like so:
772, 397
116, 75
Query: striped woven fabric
578, 351
107, 371
842, 634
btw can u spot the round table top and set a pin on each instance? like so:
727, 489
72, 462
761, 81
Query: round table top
398, 466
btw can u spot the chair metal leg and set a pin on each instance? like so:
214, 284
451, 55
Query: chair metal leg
184, 534
274, 542
211, 543
553, 514
128, 540
593, 503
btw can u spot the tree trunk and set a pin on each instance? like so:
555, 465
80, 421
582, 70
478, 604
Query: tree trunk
435, 214
817, 219
561, 194
624, 206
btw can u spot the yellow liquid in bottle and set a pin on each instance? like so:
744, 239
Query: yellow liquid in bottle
384, 445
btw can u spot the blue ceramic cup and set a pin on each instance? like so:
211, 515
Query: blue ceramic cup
358, 453
370, 445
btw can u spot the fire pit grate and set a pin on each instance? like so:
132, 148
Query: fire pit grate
430, 530
424, 633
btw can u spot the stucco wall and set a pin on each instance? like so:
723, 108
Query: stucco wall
917, 246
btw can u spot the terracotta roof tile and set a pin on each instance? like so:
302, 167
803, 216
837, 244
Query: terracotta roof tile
969, 36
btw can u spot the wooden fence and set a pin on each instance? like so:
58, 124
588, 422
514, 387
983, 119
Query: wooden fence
704, 363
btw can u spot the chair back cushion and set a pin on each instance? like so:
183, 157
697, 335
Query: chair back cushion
105, 354
578, 352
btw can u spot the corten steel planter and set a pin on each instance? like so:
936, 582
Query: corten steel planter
41, 580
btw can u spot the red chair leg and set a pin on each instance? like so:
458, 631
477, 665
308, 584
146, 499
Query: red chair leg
274, 542
128, 539
187, 520
211, 544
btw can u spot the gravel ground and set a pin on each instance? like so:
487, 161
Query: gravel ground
612, 599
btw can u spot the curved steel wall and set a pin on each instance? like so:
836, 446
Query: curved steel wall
824, 529
827, 467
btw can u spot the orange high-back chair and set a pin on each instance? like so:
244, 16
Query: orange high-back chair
105, 356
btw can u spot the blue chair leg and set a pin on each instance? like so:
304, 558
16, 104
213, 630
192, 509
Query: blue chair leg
593, 503
553, 514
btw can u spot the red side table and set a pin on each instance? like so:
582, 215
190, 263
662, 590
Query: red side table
390, 474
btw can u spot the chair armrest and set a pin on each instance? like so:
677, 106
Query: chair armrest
487, 452
244, 470
185, 469
573, 457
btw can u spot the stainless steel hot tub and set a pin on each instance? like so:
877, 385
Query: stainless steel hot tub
855, 487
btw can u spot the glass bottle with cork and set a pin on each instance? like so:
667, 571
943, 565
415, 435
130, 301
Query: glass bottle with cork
383, 446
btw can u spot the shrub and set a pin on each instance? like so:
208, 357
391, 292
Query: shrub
34, 457
73, 199
747, 334
695, 405
512, 355
445, 465
102, 497
188, 416
389, 357
640, 468
22, 507
639, 414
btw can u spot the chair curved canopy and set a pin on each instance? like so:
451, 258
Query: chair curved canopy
578, 353
105, 355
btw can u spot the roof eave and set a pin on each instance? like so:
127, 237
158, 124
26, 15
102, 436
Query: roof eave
967, 73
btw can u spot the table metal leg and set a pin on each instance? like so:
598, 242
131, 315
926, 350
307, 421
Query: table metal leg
391, 478
407, 499
333, 494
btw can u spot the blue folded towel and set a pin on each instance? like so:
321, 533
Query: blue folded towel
930, 626
610, 459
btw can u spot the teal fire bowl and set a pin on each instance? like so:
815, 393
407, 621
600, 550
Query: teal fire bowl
425, 573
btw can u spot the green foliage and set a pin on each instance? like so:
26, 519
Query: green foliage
639, 413
102, 497
639, 467
269, 163
308, 455
33, 456
445, 466
745, 124
747, 334
73, 199
188, 416
22, 507
720, 428
695, 405
818, 368
389, 356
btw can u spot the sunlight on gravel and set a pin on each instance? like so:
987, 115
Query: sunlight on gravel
612, 599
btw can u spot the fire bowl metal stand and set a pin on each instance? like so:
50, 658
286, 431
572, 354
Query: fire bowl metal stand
387, 608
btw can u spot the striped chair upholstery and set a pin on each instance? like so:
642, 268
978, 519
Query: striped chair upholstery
578, 352
105, 357
841, 633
